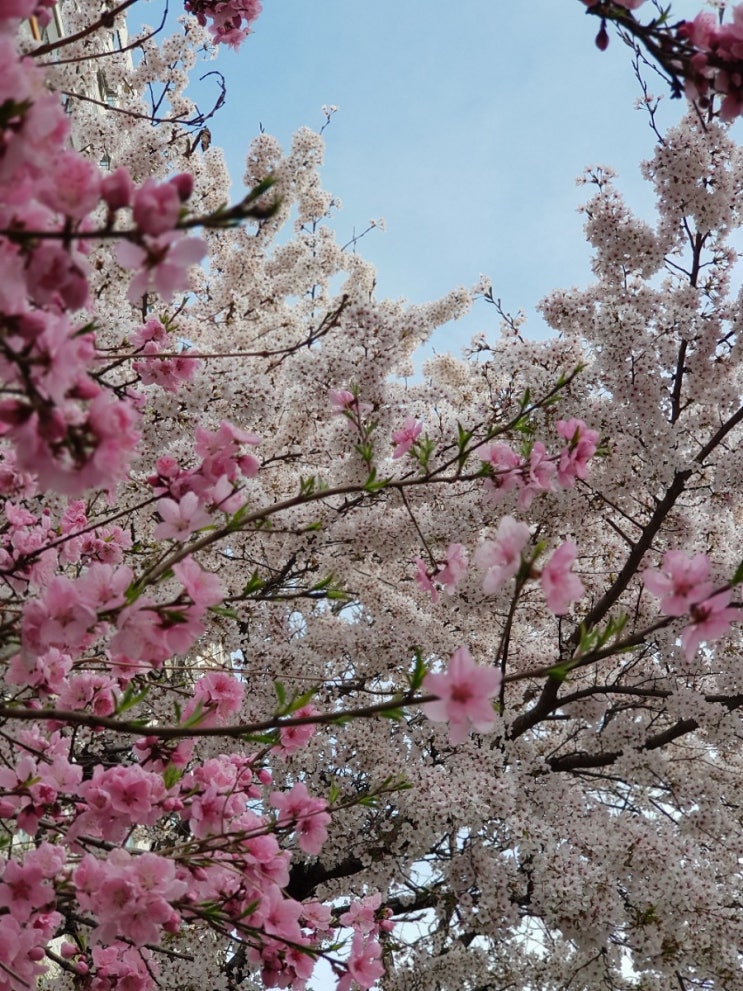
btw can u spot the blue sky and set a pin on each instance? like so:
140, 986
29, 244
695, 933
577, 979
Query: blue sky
463, 125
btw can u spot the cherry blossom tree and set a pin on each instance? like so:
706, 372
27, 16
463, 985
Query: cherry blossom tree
243, 731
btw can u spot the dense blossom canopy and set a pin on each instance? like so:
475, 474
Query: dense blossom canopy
237, 534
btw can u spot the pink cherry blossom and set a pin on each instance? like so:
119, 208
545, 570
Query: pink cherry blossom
345, 403
280, 915
404, 438
228, 20
424, 580
559, 584
73, 187
711, 619
294, 738
306, 814
341, 400
581, 447
447, 574
220, 693
539, 474
683, 582
506, 475
362, 914
162, 263
365, 965
24, 888
123, 966
204, 588
155, 207
454, 568
180, 519
464, 691
222, 454
500, 559
117, 188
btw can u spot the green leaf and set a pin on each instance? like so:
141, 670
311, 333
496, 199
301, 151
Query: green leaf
171, 776
366, 450
174, 616
596, 638
196, 717
463, 436
395, 714
263, 739
301, 700
337, 594
560, 671
738, 576
415, 678
235, 521
130, 698
369, 801
463, 439
372, 485
286, 706
223, 611
254, 584
307, 486
132, 593
422, 450
263, 186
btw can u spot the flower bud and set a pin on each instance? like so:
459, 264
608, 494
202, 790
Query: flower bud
117, 189
183, 183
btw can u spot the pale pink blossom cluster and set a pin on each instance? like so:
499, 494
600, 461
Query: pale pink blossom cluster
161, 791
684, 588
539, 471
717, 64
167, 372
704, 55
447, 573
503, 558
229, 21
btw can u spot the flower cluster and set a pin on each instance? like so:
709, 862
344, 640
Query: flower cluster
65, 422
191, 636
703, 57
540, 471
717, 62
684, 587
229, 21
